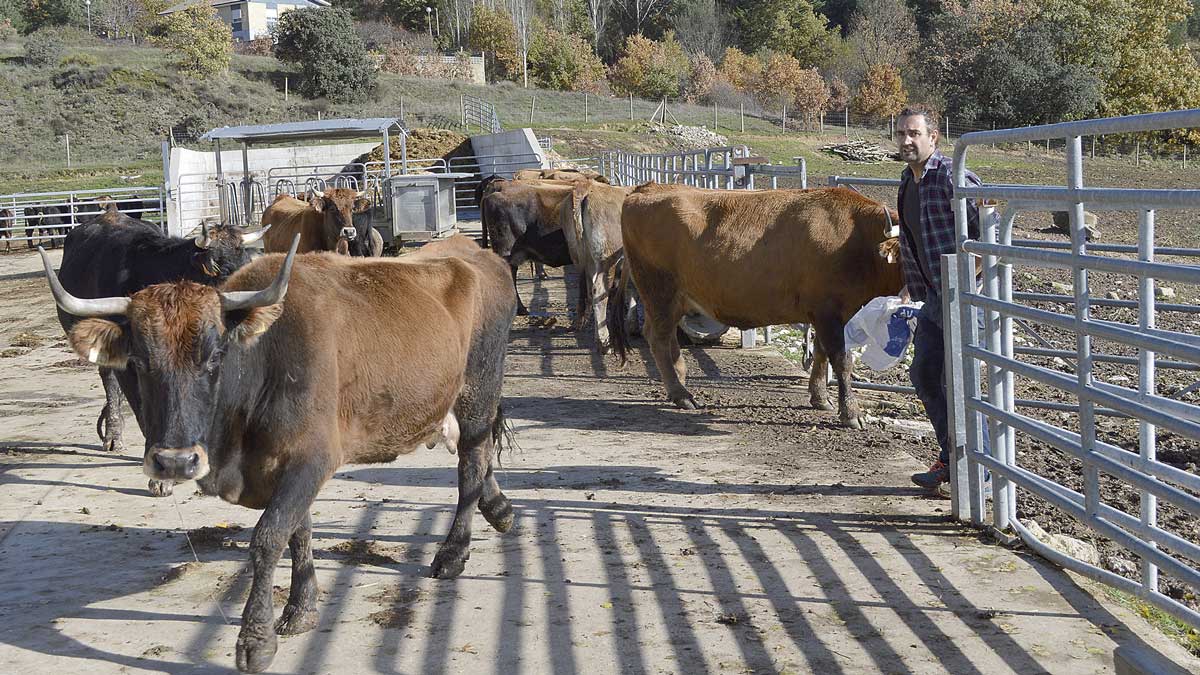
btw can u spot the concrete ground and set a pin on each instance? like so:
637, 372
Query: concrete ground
648, 540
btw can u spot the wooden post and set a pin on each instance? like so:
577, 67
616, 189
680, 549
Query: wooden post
821, 121
742, 116
585, 109
847, 122
462, 111
993, 129
664, 111
285, 88
1047, 146
401, 107
1185, 155
783, 117
714, 116
631, 107
68, 150
1137, 153
532, 107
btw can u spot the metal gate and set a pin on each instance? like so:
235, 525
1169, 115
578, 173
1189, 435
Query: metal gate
991, 399
41, 217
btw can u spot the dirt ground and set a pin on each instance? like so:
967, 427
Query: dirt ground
756, 536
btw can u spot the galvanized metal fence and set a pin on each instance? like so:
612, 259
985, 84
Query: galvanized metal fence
45, 218
996, 407
479, 113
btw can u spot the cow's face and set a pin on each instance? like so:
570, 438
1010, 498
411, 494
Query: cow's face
175, 339
343, 232
175, 342
222, 251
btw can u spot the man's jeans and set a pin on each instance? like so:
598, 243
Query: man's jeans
928, 376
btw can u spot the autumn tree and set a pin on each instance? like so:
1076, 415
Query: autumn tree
702, 76
812, 96
881, 92
494, 33
743, 71
650, 69
839, 95
780, 77
566, 62
199, 40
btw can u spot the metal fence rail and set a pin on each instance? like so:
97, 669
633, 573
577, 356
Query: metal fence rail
479, 113
992, 349
46, 217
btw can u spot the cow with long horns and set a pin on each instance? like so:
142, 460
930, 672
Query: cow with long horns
114, 255
337, 219
261, 399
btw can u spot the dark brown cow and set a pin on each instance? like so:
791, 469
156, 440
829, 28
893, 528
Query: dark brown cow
7, 226
755, 258
325, 222
522, 222
261, 399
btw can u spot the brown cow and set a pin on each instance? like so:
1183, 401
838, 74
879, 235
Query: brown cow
325, 222
752, 259
591, 224
559, 174
8, 221
260, 400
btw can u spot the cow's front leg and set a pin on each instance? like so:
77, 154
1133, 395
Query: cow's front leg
110, 425
300, 613
599, 300
830, 333
818, 378
287, 510
522, 310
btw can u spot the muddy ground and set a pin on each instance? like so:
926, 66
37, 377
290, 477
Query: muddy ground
756, 536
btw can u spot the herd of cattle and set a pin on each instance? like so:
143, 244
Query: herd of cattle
258, 377
50, 223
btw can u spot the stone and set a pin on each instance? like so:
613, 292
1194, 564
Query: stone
1076, 548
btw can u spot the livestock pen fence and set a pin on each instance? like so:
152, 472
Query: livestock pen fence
46, 217
972, 346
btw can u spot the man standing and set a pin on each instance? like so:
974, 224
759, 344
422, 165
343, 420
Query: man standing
927, 229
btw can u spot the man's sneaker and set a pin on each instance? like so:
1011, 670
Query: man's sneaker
934, 478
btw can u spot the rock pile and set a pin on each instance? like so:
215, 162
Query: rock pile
689, 138
860, 151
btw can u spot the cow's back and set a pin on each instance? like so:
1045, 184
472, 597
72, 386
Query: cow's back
100, 259
288, 217
754, 258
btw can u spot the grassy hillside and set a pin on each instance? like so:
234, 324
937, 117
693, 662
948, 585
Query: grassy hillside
118, 102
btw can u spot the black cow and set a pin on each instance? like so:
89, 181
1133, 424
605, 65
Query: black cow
7, 226
522, 220
46, 222
112, 254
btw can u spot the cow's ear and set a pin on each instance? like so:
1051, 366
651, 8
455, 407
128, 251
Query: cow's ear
101, 342
316, 200
889, 250
246, 326
361, 205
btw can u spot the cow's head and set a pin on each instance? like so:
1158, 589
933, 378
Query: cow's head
221, 248
175, 338
343, 232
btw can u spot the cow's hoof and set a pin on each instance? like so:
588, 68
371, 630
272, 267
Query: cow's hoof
821, 403
160, 488
498, 513
686, 402
113, 445
854, 420
255, 651
447, 566
296, 620
521, 311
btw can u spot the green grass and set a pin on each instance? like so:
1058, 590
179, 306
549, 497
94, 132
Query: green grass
1180, 632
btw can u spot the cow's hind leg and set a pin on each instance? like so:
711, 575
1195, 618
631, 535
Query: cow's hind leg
599, 284
664, 309
300, 613
286, 512
830, 332
818, 379
474, 471
110, 425
522, 310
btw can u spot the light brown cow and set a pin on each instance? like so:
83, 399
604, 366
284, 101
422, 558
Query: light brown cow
571, 175
752, 259
325, 222
591, 224
260, 390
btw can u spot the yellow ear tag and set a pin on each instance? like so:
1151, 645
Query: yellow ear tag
94, 354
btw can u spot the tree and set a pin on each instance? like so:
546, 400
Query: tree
493, 32
780, 77
44, 13
881, 93
650, 69
812, 96
329, 52
44, 47
882, 31
839, 95
702, 77
565, 62
201, 43
701, 26
742, 71
789, 26
639, 12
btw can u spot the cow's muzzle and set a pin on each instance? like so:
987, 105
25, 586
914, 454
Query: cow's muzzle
176, 464
349, 233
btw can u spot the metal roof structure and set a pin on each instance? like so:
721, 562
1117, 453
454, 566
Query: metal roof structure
337, 129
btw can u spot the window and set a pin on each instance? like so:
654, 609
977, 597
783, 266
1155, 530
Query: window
237, 14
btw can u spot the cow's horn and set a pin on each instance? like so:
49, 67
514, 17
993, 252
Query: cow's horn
202, 240
271, 295
253, 237
81, 307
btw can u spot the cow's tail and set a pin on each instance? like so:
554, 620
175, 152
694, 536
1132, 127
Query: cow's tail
617, 294
503, 435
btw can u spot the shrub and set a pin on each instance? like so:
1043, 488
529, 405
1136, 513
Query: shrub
261, 46
330, 54
812, 95
85, 60
200, 42
702, 75
881, 92
740, 70
44, 47
565, 62
7, 30
494, 34
650, 69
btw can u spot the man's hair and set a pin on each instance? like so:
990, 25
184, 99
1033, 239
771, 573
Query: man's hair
915, 109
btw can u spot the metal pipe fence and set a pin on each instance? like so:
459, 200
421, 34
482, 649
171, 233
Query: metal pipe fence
991, 350
46, 217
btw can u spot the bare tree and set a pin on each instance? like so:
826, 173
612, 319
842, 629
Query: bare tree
640, 11
882, 31
701, 27
521, 12
598, 15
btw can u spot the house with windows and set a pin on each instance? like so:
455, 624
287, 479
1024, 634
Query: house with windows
248, 19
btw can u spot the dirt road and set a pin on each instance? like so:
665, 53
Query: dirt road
756, 536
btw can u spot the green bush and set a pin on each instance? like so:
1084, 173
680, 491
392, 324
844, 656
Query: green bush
44, 47
200, 40
328, 50
84, 60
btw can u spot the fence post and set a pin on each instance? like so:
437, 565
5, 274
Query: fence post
585, 109
68, 150
993, 129
664, 111
402, 108
285, 88
714, 116
1047, 146
847, 122
742, 116
955, 390
1185, 155
462, 111
947, 127
631, 107
784, 116
1137, 153
821, 120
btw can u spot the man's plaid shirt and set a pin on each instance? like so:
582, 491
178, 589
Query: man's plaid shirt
936, 191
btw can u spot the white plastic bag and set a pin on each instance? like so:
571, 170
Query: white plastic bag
885, 327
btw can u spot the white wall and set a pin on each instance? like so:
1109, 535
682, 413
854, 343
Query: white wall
191, 185
511, 150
